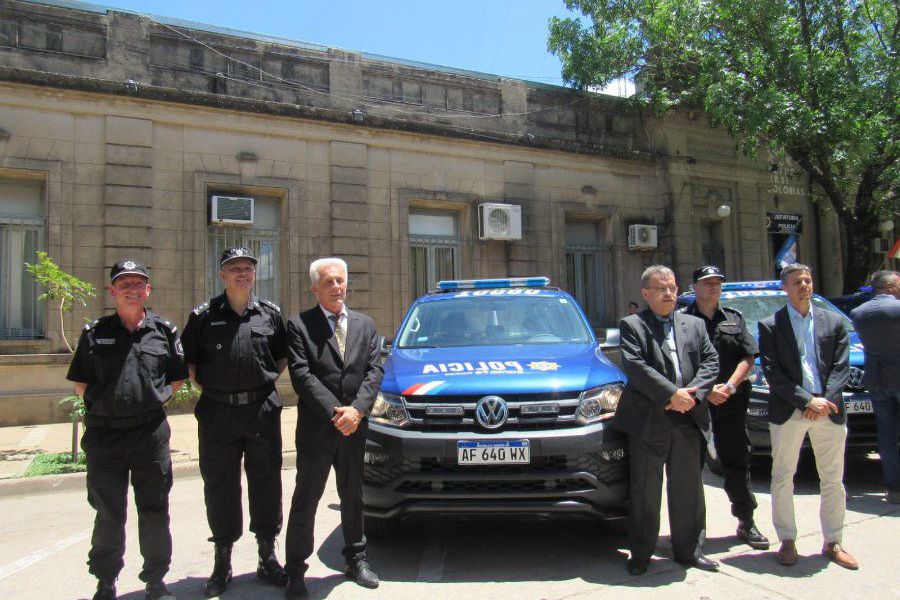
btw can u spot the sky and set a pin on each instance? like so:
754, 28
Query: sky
500, 37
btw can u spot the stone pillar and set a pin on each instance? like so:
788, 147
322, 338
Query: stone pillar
350, 216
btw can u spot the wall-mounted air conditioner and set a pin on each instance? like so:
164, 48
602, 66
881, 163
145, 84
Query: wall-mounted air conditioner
231, 210
499, 221
642, 237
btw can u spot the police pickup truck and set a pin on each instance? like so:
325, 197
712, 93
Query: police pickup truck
759, 299
496, 399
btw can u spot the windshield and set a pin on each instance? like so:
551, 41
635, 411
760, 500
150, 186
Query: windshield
486, 321
757, 308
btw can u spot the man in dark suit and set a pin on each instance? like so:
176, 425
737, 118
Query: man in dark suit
878, 324
336, 371
805, 356
671, 366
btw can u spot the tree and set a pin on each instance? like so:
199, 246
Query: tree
60, 287
65, 289
815, 79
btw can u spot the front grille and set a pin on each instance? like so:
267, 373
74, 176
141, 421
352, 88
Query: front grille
495, 486
566, 402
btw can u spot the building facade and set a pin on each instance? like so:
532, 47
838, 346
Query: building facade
117, 130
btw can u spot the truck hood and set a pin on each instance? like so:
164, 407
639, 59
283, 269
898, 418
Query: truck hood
530, 369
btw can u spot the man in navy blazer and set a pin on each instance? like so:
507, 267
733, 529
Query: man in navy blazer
336, 371
805, 355
878, 324
671, 366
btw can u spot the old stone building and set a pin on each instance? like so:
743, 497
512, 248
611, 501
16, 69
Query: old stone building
117, 130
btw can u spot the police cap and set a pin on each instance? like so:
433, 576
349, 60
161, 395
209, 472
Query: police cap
707, 272
236, 252
127, 266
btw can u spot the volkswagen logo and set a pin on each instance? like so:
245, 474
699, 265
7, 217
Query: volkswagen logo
491, 412
856, 379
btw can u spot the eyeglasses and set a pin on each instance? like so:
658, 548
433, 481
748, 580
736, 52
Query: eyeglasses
127, 287
671, 289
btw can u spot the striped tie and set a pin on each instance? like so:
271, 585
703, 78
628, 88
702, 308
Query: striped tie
339, 333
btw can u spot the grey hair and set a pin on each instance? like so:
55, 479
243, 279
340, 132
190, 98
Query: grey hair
654, 270
319, 264
794, 268
882, 279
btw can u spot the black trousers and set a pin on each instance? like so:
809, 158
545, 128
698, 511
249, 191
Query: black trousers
730, 437
675, 447
321, 447
228, 434
112, 456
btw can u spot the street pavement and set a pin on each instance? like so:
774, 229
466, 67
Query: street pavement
46, 534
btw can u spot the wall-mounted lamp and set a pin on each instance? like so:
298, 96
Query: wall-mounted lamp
131, 85
358, 115
723, 211
886, 226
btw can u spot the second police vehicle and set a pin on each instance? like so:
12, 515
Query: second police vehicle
496, 399
760, 299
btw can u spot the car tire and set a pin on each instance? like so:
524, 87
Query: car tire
379, 528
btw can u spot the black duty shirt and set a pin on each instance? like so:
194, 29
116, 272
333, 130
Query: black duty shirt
234, 353
128, 374
730, 336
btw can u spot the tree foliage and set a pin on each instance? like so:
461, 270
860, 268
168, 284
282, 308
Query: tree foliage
60, 287
817, 79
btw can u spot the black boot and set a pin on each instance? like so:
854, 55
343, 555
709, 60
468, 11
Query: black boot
221, 574
106, 590
269, 569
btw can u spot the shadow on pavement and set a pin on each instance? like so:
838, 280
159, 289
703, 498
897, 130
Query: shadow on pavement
764, 563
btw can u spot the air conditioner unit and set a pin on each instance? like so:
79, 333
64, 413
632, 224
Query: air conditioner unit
642, 237
231, 210
881, 245
499, 221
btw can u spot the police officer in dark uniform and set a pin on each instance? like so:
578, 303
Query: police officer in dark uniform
236, 347
730, 396
127, 366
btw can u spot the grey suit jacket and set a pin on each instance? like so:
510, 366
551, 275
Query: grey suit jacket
878, 324
780, 360
321, 378
641, 411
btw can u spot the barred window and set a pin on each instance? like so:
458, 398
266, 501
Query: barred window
21, 236
434, 247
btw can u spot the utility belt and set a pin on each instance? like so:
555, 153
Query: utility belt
239, 398
95, 422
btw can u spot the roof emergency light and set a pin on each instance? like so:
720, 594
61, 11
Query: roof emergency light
480, 284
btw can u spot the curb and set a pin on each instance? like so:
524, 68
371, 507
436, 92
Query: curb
71, 481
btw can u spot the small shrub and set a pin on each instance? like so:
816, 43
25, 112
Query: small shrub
55, 464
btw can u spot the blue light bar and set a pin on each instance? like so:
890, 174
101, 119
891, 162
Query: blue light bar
751, 285
480, 284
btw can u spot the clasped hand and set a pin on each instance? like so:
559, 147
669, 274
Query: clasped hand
346, 419
819, 407
682, 400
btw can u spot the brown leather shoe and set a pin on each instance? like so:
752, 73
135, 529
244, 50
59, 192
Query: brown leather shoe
787, 554
836, 553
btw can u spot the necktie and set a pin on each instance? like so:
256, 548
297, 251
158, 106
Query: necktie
339, 333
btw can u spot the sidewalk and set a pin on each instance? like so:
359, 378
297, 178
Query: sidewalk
18, 445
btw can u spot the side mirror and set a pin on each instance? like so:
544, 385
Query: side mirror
612, 338
384, 346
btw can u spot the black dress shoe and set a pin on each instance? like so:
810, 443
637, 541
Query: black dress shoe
636, 567
296, 589
700, 562
752, 536
361, 572
106, 590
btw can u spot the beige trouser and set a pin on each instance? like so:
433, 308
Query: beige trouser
827, 439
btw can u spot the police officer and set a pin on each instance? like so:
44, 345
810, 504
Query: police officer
730, 396
127, 366
235, 347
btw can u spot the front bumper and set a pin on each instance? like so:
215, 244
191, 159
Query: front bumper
575, 470
861, 431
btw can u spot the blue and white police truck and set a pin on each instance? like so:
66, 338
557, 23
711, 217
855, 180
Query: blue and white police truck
496, 399
760, 299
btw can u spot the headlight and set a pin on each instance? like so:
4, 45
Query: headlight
389, 410
598, 403
757, 377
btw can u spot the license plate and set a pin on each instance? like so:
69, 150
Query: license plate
507, 452
858, 407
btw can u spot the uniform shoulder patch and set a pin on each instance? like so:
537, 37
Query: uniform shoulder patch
167, 324
91, 325
733, 311
271, 305
199, 309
